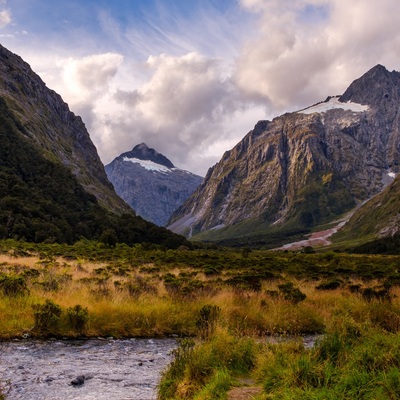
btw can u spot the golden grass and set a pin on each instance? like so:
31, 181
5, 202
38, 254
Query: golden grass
148, 308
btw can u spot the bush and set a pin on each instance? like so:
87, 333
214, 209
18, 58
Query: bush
207, 321
329, 285
47, 317
13, 285
78, 318
209, 364
291, 293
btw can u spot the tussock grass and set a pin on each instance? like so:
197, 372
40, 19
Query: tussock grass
352, 361
228, 301
137, 292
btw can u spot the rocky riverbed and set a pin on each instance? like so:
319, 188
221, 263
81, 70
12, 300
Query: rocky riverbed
84, 370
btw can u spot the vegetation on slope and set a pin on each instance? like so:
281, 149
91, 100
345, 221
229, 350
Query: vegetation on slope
41, 200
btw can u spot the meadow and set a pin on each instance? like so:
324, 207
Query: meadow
222, 304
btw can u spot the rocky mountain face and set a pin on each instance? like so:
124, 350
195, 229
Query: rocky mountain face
53, 186
48, 123
302, 168
150, 183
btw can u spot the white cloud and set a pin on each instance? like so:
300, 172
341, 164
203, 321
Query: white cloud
5, 18
183, 110
192, 85
308, 49
87, 78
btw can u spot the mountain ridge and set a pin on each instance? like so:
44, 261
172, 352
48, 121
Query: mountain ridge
53, 186
150, 183
64, 136
302, 168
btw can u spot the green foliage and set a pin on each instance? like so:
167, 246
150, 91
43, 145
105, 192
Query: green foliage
219, 383
109, 237
291, 293
176, 369
42, 201
345, 364
208, 364
381, 294
13, 285
246, 282
331, 284
207, 321
47, 317
138, 285
182, 285
78, 317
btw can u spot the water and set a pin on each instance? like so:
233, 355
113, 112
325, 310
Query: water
112, 369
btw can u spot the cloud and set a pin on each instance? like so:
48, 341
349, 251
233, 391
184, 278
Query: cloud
83, 82
183, 110
88, 77
307, 49
191, 81
5, 18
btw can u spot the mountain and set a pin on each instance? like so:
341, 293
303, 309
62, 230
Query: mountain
53, 186
150, 183
301, 169
376, 224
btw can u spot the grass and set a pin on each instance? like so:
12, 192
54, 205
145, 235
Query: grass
353, 360
223, 303
151, 292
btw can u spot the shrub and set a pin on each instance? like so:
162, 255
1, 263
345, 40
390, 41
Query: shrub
138, 285
207, 320
13, 285
197, 370
329, 285
291, 293
78, 317
47, 316
381, 294
176, 369
182, 285
245, 282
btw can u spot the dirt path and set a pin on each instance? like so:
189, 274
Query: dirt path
244, 393
247, 392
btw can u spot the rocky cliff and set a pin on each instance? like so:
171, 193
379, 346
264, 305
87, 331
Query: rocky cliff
53, 186
150, 183
49, 124
303, 168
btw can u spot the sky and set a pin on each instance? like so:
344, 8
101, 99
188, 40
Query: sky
191, 78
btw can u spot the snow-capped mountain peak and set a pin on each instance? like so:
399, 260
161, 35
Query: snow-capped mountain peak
150, 183
149, 165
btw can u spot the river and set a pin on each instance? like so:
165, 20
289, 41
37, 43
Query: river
91, 369
84, 370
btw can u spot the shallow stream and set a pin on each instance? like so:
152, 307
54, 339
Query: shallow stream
90, 369
85, 370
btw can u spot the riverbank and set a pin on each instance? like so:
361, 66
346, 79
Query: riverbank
90, 290
352, 361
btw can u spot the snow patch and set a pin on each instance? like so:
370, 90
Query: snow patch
149, 165
392, 174
334, 103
